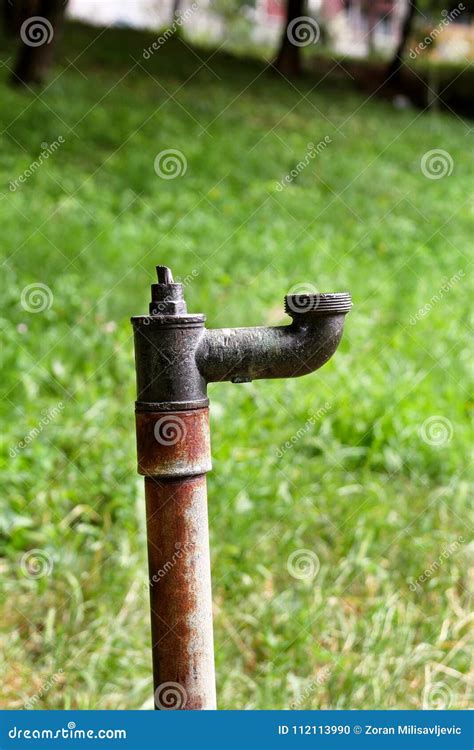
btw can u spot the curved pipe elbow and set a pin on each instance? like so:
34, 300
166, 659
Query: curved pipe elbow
244, 354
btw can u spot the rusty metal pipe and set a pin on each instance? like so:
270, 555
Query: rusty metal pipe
174, 455
176, 357
180, 593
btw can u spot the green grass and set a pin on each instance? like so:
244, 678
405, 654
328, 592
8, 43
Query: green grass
360, 488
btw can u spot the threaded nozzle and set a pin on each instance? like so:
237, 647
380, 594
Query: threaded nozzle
318, 304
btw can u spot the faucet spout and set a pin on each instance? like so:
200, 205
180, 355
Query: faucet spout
244, 354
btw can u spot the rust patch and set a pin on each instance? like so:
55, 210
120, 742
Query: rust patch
171, 444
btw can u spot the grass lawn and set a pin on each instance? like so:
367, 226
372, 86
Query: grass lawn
375, 484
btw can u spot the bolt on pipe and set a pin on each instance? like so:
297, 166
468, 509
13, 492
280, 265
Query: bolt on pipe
176, 357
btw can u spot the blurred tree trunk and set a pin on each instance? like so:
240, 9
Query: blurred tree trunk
372, 18
394, 69
10, 17
288, 61
14, 13
38, 39
176, 7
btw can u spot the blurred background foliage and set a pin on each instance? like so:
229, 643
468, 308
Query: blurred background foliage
361, 487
